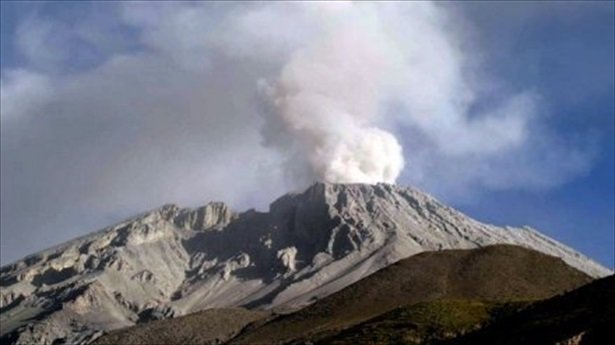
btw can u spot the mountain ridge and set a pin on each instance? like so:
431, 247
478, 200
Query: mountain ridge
495, 273
173, 261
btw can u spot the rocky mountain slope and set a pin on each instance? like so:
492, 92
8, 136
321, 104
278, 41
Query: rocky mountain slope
172, 261
498, 273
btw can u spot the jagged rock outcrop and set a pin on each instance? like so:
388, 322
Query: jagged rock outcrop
173, 261
214, 215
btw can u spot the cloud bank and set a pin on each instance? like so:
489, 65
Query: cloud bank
189, 102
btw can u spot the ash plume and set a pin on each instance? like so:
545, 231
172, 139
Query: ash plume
332, 97
326, 98
131, 105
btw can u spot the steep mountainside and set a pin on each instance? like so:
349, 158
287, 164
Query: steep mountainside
173, 261
497, 273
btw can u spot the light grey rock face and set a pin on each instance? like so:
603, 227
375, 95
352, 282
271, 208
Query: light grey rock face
214, 215
174, 261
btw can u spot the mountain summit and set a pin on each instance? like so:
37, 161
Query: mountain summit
174, 261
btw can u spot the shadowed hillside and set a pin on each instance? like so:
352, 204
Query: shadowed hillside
583, 316
494, 273
424, 323
206, 327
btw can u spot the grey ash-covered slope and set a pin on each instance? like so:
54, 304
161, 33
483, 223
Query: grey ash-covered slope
173, 261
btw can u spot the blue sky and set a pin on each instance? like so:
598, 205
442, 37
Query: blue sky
137, 73
572, 55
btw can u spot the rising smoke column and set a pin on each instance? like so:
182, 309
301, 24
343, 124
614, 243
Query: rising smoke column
327, 97
335, 90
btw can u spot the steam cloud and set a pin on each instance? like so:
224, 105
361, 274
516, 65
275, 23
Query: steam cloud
190, 102
327, 97
333, 90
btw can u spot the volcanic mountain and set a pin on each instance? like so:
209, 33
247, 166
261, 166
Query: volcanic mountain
172, 261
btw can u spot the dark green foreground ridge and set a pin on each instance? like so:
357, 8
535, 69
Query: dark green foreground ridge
583, 316
499, 273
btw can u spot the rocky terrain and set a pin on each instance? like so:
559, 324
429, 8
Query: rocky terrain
171, 261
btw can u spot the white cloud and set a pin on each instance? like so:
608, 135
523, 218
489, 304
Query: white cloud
23, 91
343, 88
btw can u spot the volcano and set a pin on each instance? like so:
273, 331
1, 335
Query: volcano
174, 261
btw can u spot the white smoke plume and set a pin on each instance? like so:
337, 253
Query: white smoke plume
327, 97
125, 106
333, 91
